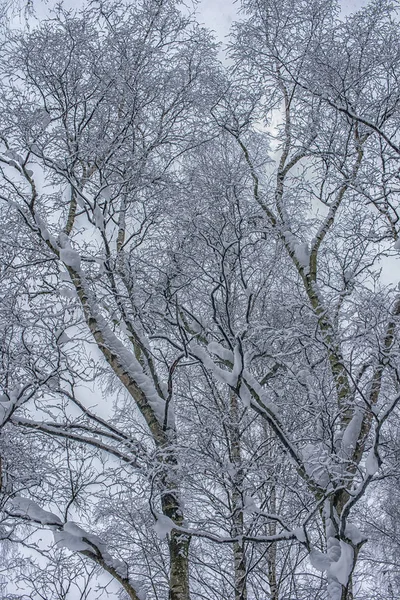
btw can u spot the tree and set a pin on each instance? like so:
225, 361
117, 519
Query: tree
107, 140
201, 247
335, 85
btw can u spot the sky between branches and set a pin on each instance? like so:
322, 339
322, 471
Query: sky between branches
217, 15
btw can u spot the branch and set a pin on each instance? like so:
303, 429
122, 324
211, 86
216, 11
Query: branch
56, 429
71, 536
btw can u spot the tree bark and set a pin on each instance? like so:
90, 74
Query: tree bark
239, 554
272, 507
271, 556
178, 545
179, 566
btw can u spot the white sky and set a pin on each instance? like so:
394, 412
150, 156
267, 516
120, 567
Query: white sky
218, 15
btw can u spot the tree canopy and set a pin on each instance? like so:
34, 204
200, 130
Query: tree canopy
199, 304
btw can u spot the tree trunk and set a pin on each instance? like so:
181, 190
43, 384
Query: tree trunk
178, 542
239, 554
179, 566
347, 593
240, 571
271, 556
164, 440
272, 508
334, 550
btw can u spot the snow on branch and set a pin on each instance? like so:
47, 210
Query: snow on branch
28, 509
59, 430
13, 400
252, 394
74, 538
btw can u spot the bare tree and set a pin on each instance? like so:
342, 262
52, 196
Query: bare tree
108, 100
314, 79
195, 328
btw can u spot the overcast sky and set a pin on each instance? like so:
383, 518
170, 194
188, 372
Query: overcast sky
215, 14
219, 14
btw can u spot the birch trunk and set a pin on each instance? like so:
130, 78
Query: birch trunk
178, 545
163, 437
179, 566
272, 508
271, 556
239, 554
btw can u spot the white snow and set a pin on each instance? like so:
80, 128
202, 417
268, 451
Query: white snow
341, 569
222, 375
72, 537
348, 275
74, 529
14, 156
397, 244
106, 192
98, 218
67, 292
131, 366
334, 590
163, 526
119, 566
333, 547
28, 508
315, 458
351, 434
338, 562
238, 363
5, 407
371, 464
303, 376
249, 505
53, 383
61, 337
70, 258
72, 542
319, 560
220, 351
354, 534
300, 534
300, 250
253, 383
139, 589
302, 254
46, 119
10, 402
75, 538
68, 255
245, 395
44, 232
64, 276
